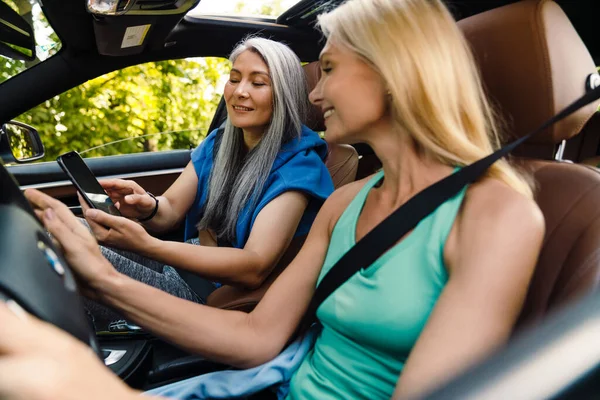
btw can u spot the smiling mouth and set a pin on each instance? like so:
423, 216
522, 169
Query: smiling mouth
240, 108
328, 113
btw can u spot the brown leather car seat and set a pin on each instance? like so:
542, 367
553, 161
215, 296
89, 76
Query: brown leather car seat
342, 163
533, 64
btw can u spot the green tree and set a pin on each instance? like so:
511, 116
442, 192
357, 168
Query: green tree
176, 96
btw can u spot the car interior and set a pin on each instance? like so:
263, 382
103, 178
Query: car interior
535, 58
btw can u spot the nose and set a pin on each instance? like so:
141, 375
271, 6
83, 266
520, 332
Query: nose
316, 96
241, 90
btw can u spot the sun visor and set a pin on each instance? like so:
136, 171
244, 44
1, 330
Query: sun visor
126, 27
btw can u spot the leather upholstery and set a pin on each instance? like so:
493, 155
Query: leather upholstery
585, 149
533, 64
342, 163
235, 298
342, 160
315, 117
569, 264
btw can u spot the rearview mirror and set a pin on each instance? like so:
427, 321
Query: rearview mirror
24, 142
16, 35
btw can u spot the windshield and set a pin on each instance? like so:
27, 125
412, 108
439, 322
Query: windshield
46, 40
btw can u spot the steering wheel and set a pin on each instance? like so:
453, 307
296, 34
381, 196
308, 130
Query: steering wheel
33, 272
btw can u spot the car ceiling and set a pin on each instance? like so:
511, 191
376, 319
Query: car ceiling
74, 24
79, 59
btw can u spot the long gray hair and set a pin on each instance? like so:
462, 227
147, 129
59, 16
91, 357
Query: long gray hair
238, 178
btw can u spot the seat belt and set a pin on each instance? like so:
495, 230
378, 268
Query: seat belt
367, 250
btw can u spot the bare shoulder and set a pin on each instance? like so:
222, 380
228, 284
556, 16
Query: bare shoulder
492, 200
494, 221
340, 199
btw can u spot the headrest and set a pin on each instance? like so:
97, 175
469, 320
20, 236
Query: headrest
315, 119
533, 64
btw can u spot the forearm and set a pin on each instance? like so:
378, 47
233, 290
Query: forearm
229, 337
222, 264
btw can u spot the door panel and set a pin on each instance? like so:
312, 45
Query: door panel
155, 172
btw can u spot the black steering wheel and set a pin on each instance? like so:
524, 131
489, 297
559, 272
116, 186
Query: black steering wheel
33, 272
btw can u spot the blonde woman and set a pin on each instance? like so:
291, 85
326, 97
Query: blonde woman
440, 299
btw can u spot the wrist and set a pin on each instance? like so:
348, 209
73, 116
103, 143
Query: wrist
107, 282
154, 210
150, 246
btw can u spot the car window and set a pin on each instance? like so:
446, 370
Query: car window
156, 106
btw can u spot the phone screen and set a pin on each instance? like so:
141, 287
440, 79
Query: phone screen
85, 181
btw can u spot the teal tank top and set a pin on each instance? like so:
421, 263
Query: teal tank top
371, 323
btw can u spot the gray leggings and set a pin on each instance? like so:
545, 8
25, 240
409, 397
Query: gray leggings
147, 271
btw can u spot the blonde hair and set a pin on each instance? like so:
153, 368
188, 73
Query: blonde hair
427, 65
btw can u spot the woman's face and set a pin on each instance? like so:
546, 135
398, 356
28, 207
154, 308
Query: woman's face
351, 96
249, 94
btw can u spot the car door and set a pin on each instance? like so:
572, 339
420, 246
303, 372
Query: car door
139, 123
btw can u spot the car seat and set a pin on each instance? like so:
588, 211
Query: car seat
533, 64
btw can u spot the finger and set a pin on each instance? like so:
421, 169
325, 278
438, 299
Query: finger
142, 200
66, 216
45, 202
114, 184
99, 231
102, 218
64, 234
40, 200
39, 213
84, 205
57, 244
121, 186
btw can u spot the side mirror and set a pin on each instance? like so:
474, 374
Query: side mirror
23, 142
16, 35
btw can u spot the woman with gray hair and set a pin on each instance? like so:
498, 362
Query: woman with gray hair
262, 166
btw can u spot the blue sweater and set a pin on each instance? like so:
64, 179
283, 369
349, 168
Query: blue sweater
299, 166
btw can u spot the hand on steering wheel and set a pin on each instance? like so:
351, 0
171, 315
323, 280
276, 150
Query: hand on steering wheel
79, 246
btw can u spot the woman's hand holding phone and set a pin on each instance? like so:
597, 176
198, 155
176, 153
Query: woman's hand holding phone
117, 232
129, 197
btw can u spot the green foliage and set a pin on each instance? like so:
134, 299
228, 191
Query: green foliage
132, 107
176, 96
150, 107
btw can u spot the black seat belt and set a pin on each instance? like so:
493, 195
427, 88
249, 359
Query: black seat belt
367, 250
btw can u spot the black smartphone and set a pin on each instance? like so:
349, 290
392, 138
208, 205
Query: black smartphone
86, 183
